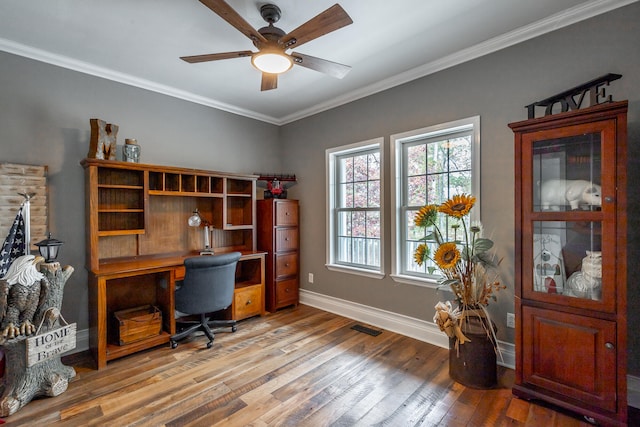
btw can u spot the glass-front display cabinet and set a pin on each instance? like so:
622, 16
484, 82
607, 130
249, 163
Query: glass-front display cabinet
570, 248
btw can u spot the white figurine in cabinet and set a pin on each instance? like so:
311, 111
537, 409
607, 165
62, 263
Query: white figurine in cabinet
587, 283
573, 192
549, 273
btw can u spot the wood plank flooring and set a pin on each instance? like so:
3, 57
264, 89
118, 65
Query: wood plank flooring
298, 367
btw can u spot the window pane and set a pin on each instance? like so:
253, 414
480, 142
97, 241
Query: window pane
410, 265
344, 224
358, 225
346, 196
344, 249
360, 168
373, 224
374, 194
373, 252
359, 255
346, 169
459, 182
360, 195
438, 191
374, 166
416, 160
438, 157
416, 190
413, 232
460, 154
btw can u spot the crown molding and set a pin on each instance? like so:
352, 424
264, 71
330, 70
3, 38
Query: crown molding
554, 22
127, 79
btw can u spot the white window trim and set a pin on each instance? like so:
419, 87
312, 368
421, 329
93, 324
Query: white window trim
396, 188
330, 159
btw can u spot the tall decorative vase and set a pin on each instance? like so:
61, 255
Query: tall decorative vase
473, 364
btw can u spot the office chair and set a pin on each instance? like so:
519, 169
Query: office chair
208, 286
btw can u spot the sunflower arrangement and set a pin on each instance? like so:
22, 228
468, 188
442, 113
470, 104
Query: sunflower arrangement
468, 265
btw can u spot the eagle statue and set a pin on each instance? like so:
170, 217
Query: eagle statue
22, 290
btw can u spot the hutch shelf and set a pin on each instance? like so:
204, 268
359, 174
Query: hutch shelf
138, 237
571, 261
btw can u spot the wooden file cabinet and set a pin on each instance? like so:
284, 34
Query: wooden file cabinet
278, 235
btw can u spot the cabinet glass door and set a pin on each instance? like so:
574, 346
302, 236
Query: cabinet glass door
565, 219
567, 258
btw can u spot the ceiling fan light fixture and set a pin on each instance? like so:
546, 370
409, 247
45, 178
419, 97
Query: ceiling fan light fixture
272, 63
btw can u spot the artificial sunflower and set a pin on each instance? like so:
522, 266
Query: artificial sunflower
421, 253
458, 206
447, 256
463, 257
426, 216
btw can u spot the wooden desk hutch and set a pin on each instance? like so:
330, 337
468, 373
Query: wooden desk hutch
138, 237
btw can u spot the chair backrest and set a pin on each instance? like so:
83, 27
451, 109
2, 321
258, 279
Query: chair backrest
208, 285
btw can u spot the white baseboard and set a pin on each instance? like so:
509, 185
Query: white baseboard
409, 326
422, 330
633, 391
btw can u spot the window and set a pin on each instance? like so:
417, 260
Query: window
354, 180
430, 166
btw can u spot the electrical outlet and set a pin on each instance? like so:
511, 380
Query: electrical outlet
310, 277
511, 320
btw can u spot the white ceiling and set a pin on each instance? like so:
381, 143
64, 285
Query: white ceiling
390, 42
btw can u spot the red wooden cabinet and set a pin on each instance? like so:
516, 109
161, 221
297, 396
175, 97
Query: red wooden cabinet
571, 276
278, 235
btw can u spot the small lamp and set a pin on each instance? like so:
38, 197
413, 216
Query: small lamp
49, 248
196, 220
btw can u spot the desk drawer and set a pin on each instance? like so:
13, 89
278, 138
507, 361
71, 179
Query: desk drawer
286, 239
247, 302
286, 264
286, 292
179, 273
286, 213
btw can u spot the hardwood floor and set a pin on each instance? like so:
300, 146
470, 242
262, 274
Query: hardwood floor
298, 367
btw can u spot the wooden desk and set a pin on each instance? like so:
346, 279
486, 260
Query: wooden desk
150, 280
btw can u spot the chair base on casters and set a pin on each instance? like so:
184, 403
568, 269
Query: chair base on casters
204, 325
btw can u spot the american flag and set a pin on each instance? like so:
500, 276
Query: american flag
14, 245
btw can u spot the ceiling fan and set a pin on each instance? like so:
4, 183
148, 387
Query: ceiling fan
272, 42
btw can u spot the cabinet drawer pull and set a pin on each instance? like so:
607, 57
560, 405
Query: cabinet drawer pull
286, 290
608, 199
248, 302
609, 345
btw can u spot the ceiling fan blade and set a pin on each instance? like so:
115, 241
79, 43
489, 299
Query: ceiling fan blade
322, 65
269, 81
226, 12
330, 20
216, 56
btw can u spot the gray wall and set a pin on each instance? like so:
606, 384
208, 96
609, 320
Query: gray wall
44, 119
496, 87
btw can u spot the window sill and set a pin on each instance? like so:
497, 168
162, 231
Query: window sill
357, 271
411, 280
